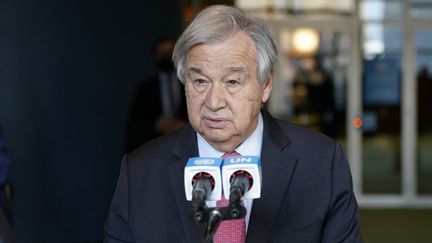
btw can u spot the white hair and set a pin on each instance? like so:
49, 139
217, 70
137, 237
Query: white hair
217, 23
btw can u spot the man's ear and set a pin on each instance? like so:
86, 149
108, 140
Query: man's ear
267, 87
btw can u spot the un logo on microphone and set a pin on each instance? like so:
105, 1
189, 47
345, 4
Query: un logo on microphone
240, 159
204, 161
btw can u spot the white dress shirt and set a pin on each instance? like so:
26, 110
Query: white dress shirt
250, 147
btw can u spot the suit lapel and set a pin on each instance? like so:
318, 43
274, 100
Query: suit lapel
185, 148
277, 168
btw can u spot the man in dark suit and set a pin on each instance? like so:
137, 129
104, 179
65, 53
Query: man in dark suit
159, 104
226, 60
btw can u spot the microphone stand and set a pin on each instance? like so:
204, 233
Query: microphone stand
209, 219
216, 215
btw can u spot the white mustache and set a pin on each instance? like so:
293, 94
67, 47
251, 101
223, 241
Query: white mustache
216, 115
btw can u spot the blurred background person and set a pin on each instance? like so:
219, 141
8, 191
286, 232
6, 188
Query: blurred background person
159, 104
313, 98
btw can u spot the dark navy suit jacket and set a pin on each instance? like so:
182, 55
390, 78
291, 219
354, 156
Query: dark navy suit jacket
306, 191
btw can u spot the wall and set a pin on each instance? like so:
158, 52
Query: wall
67, 73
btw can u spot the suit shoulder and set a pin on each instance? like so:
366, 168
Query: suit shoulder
156, 149
302, 136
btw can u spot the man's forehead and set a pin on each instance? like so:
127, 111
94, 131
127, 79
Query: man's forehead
228, 69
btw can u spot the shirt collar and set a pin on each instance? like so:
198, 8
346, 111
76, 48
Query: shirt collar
250, 147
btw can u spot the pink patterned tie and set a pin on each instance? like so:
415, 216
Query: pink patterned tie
233, 230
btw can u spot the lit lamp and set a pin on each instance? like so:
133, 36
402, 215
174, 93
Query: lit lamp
304, 42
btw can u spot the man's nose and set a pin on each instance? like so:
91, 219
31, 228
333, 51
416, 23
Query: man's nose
215, 98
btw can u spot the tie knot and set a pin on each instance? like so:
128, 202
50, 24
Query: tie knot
233, 153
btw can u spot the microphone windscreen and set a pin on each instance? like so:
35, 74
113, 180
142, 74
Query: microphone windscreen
251, 165
203, 166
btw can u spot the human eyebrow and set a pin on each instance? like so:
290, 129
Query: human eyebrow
236, 70
195, 70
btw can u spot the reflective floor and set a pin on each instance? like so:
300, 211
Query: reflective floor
382, 174
396, 226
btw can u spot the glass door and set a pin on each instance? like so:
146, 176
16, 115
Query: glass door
318, 79
364, 79
397, 59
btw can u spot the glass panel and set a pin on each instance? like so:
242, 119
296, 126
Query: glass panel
298, 5
423, 45
254, 4
421, 9
380, 9
316, 82
336, 5
381, 108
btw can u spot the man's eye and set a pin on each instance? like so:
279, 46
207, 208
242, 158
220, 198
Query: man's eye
199, 81
232, 82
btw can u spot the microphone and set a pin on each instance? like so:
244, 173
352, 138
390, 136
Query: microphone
241, 176
241, 181
215, 218
202, 179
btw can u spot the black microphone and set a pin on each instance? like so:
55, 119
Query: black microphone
202, 181
215, 218
241, 181
203, 184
